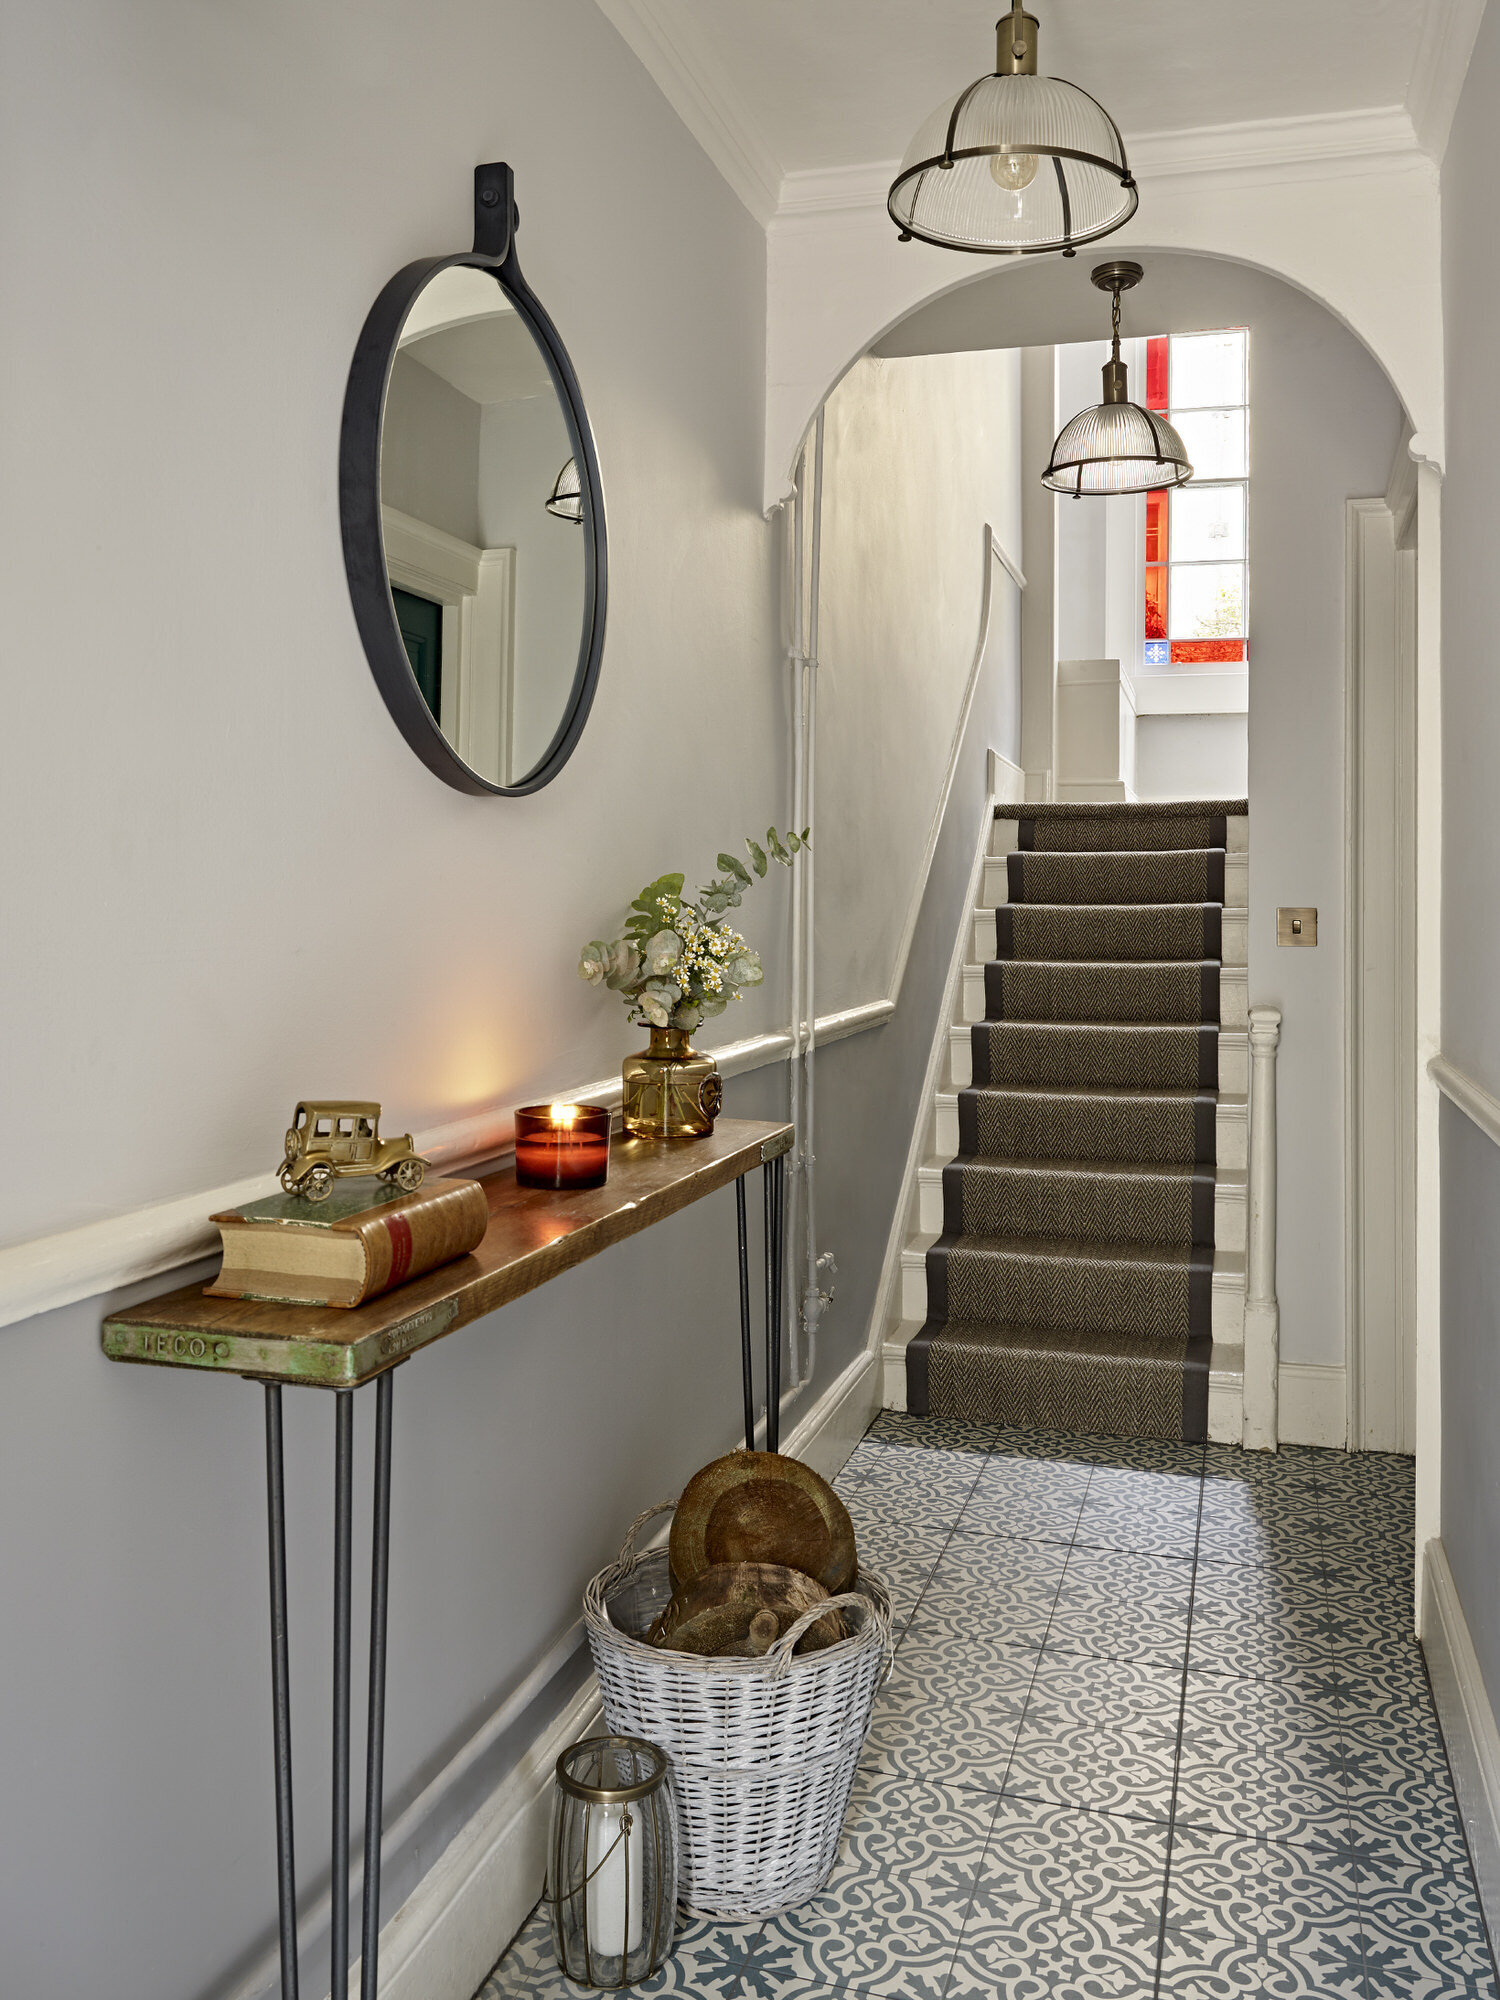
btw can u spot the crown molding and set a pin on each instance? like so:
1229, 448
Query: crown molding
1257, 153
722, 127
1326, 146
1446, 42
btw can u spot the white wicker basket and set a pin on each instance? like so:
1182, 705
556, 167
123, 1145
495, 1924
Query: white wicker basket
763, 1751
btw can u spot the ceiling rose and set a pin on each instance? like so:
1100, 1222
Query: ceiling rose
1016, 164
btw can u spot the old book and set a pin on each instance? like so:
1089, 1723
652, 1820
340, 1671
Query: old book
362, 1240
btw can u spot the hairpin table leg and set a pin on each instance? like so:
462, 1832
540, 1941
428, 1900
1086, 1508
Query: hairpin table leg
380, 1573
281, 1694
771, 1180
745, 1362
343, 1563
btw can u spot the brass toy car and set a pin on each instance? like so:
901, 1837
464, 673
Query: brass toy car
331, 1140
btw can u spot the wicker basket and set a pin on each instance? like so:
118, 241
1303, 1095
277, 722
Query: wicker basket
763, 1751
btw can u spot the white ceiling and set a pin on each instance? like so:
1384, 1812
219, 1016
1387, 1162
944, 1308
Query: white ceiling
779, 88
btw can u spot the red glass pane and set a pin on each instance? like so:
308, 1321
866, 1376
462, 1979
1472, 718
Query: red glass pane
1156, 604
1204, 652
1156, 374
1156, 527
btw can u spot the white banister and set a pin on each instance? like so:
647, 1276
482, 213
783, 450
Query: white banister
1262, 1314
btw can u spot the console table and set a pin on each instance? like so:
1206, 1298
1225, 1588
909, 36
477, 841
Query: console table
533, 1235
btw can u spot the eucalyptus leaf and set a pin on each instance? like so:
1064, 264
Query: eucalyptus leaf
773, 841
735, 867
757, 856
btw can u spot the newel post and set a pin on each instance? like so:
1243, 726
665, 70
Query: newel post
1262, 1314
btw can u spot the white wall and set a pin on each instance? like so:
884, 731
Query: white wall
1324, 425
1192, 756
919, 455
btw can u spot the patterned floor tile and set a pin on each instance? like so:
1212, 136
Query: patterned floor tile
1121, 1605
1004, 1588
921, 1483
950, 1713
706, 1960
1154, 1513
1100, 1734
1066, 1903
1262, 1759
1258, 1622
931, 1433
1424, 1938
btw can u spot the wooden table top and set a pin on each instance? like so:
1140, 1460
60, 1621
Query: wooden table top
533, 1235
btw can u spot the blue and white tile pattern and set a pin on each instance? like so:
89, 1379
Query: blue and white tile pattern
1157, 1730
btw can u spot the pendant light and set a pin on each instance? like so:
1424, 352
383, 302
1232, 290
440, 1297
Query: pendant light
1117, 447
566, 497
1016, 164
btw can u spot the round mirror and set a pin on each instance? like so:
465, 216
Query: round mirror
473, 527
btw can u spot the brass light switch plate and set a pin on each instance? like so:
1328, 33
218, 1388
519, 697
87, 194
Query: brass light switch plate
1296, 926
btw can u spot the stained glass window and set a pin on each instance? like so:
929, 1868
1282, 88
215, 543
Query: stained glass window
1197, 541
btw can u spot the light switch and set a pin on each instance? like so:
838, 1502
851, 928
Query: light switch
1296, 926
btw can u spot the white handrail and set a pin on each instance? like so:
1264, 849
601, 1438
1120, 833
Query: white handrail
1262, 1313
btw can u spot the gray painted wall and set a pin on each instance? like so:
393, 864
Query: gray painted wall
429, 451
1471, 851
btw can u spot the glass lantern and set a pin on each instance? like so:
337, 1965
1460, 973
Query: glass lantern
612, 1861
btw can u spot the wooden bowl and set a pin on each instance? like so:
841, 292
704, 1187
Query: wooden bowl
716, 1612
758, 1507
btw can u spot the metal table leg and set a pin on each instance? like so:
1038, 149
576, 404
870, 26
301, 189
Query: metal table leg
745, 1362
380, 1578
772, 1184
281, 1695
343, 1515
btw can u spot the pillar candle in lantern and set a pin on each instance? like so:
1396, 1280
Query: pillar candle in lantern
562, 1146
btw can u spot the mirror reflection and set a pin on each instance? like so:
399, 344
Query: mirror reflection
482, 521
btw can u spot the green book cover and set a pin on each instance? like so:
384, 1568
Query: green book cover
342, 1201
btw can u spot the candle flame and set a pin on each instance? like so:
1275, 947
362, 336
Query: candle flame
563, 1114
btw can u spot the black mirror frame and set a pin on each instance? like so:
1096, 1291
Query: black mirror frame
495, 223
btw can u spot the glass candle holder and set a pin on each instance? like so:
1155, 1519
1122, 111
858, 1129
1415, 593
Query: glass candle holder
612, 1861
562, 1146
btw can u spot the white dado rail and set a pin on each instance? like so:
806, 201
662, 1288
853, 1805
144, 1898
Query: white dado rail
1262, 1313
1471, 1098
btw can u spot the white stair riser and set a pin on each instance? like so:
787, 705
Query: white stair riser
1234, 996
1236, 835
1230, 1143
1234, 1060
1229, 1210
1236, 882
1228, 1310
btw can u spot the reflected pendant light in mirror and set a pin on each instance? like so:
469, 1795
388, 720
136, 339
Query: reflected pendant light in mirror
1117, 447
1016, 164
565, 500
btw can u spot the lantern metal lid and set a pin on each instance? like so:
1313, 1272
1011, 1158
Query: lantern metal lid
1116, 447
566, 498
1016, 164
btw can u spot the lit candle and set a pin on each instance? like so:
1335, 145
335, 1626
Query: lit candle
562, 1146
615, 1850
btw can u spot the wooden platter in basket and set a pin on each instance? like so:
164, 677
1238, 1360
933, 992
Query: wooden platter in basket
759, 1507
744, 1608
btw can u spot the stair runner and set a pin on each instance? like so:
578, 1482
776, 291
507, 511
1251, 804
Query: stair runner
1072, 1287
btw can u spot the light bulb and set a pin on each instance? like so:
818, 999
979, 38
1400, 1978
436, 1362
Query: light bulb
1013, 171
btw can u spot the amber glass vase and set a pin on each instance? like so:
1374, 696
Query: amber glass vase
671, 1093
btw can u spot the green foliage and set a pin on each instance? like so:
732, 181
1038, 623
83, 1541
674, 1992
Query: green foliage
714, 961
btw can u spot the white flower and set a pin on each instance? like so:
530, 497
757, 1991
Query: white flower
662, 953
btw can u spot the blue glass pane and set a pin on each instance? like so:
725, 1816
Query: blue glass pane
1157, 653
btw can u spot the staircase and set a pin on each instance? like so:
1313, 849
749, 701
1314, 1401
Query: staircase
1077, 1261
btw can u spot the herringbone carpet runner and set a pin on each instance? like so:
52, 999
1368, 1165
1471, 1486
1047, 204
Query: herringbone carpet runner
1072, 1287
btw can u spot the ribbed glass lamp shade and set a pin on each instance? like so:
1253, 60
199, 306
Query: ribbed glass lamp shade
1117, 448
1014, 166
566, 498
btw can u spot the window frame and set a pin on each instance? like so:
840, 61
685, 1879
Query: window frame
1188, 655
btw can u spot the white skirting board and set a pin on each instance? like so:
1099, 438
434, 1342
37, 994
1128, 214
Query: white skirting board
1468, 1723
451, 1929
1313, 1405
